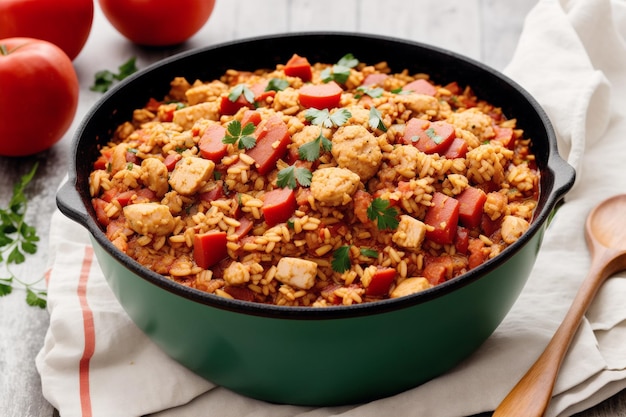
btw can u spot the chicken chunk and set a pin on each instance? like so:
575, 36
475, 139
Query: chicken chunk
474, 121
205, 92
410, 232
296, 272
356, 149
512, 228
410, 286
187, 116
334, 186
154, 176
191, 174
419, 104
149, 219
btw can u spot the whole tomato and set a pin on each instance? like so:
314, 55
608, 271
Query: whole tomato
157, 22
65, 23
38, 95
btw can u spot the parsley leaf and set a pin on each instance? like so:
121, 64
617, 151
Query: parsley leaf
325, 119
311, 151
376, 120
18, 239
372, 92
433, 135
341, 259
291, 176
240, 89
277, 84
340, 71
236, 133
370, 253
384, 215
104, 79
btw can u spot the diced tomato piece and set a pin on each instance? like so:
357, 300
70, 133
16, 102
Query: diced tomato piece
98, 206
489, 226
429, 137
153, 105
124, 197
362, 201
260, 92
421, 86
209, 248
443, 216
171, 160
251, 116
453, 87
244, 227
240, 293
471, 203
328, 293
381, 281
461, 242
300, 67
109, 194
229, 108
504, 135
143, 195
320, 96
103, 160
213, 194
375, 79
438, 269
278, 205
457, 149
211, 145
272, 139
477, 254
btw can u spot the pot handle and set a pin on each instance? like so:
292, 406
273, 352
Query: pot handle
564, 175
70, 203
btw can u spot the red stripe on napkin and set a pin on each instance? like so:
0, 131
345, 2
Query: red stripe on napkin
90, 334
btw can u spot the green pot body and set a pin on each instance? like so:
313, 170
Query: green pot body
326, 361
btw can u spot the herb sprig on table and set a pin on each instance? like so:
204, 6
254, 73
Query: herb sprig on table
18, 240
105, 79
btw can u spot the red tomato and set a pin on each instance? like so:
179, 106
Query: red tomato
157, 22
65, 23
39, 95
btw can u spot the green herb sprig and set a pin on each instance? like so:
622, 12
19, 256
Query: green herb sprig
340, 71
242, 135
292, 176
105, 79
17, 240
341, 259
383, 214
323, 118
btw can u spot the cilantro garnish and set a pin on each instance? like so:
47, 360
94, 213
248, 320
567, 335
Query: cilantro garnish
104, 79
384, 215
277, 84
341, 70
236, 133
376, 120
372, 92
434, 136
292, 176
370, 253
323, 118
241, 89
17, 239
341, 259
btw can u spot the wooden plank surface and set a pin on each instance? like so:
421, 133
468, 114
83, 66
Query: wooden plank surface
486, 30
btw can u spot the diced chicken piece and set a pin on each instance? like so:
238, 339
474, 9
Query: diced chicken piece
205, 92
118, 158
154, 176
357, 149
410, 232
334, 186
178, 87
410, 286
191, 174
512, 228
419, 104
187, 116
298, 273
475, 121
149, 219
237, 273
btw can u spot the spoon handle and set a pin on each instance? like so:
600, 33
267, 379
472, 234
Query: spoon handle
532, 394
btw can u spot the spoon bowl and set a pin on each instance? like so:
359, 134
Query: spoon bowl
605, 234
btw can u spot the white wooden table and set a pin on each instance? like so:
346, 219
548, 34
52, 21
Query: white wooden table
486, 30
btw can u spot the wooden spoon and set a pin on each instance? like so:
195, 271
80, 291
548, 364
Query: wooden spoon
605, 233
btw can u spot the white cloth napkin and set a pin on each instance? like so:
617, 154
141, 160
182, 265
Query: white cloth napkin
572, 58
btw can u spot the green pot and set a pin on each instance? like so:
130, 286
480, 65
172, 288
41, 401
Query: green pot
335, 355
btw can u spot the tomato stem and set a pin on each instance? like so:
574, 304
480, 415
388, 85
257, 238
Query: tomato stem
3, 49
